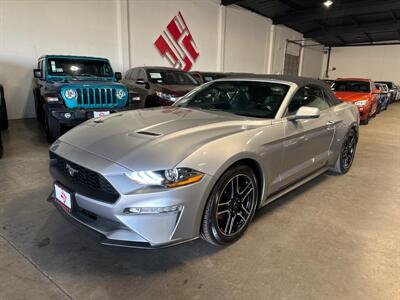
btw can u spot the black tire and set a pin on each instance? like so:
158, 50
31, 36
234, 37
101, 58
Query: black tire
347, 153
365, 122
1, 146
3, 111
53, 129
375, 113
40, 116
237, 210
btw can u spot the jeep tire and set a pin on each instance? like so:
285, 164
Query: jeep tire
39, 106
53, 128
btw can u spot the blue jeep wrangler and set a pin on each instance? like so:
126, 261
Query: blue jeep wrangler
71, 89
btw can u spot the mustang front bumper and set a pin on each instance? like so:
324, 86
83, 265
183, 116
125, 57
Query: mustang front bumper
110, 220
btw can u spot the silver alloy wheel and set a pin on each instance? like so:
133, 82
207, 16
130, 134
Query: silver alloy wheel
235, 204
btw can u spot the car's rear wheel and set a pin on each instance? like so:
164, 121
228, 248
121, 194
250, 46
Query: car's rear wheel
231, 206
347, 153
1, 147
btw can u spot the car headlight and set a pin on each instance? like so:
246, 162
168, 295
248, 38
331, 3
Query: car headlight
120, 93
361, 103
166, 96
168, 178
70, 94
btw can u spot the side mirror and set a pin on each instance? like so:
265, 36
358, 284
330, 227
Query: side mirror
37, 73
118, 76
305, 112
140, 81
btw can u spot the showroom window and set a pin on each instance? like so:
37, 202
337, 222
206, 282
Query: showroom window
141, 74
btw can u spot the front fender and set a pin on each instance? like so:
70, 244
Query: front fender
263, 145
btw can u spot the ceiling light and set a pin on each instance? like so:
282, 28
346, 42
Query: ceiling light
328, 3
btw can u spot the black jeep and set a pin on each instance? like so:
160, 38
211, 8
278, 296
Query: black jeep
71, 89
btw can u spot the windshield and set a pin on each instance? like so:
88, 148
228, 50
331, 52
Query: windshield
351, 86
382, 87
388, 83
246, 98
170, 77
79, 67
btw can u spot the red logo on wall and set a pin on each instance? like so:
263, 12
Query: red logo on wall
176, 44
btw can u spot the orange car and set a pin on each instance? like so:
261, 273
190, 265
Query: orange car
362, 92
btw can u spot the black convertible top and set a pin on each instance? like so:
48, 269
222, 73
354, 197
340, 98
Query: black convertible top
298, 80
295, 79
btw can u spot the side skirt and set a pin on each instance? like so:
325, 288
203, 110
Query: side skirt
292, 187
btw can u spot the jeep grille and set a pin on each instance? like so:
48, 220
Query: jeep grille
96, 97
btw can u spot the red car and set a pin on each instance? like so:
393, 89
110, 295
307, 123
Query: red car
362, 92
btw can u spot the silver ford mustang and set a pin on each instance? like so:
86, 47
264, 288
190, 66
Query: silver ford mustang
157, 177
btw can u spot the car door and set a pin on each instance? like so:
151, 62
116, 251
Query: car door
307, 141
130, 79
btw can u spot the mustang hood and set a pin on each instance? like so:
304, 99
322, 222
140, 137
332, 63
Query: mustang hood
352, 96
94, 83
154, 138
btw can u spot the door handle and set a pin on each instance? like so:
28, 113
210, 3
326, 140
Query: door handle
330, 122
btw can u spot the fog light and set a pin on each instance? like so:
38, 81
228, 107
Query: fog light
67, 115
135, 98
51, 99
152, 210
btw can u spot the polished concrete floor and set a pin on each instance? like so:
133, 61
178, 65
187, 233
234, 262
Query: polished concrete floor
338, 237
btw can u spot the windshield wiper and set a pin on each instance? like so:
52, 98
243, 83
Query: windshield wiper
88, 75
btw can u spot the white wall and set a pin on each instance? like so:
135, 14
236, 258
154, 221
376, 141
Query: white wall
227, 38
375, 62
246, 41
312, 61
29, 29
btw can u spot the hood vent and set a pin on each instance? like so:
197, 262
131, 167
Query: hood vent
148, 133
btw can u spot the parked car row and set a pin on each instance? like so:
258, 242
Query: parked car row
69, 90
370, 97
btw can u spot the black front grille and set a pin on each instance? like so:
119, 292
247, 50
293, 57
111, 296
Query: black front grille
96, 97
82, 180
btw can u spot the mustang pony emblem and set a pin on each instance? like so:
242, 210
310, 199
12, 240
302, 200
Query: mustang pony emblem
71, 170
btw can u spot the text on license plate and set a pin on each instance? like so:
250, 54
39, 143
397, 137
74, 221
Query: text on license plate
98, 114
63, 196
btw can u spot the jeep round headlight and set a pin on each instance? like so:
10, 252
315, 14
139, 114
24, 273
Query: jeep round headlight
70, 94
168, 178
120, 93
